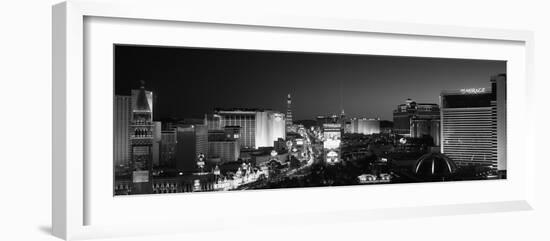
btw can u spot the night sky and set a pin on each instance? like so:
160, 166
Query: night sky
189, 82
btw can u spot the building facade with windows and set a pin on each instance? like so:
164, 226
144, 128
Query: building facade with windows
157, 138
422, 127
258, 128
141, 140
365, 126
405, 113
288, 120
473, 125
224, 145
192, 140
168, 147
122, 113
225, 150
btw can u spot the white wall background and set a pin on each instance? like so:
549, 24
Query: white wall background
25, 139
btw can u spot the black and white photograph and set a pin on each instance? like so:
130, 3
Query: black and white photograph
275, 120
189, 119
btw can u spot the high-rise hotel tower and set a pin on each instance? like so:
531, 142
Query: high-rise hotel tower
141, 140
288, 122
122, 113
406, 114
473, 125
258, 128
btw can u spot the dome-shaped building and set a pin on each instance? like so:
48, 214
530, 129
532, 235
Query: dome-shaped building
434, 166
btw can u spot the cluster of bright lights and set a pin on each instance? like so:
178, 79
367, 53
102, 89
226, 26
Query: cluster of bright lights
216, 171
200, 161
366, 178
331, 144
197, 185
244, 175
370, 178
385, 177
332, 157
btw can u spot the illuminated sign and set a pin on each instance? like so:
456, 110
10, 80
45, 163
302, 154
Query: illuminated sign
473, 91
331, 125
332, 157
331, 144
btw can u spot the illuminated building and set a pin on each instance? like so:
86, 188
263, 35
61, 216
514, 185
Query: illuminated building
148, 96
224, 145
331, 142
347, 127
157, 137
421, 127
168, 147
141, 140
371, 178
404, 113
258, 128
365, 126
270, 126
226, 150
264, 159
173, 184
288, 121
228, 133
326, 119
244, 118
473, 125
232, 132
192, 140
121, 128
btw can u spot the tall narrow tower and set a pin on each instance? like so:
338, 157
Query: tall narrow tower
141, 140
342, 113
288, 122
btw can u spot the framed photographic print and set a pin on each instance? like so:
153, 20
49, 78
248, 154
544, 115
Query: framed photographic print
177, 115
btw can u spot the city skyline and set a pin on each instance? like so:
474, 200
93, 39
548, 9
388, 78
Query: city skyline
191, 82
246, 106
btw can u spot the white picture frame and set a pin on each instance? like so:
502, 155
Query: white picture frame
75, 201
